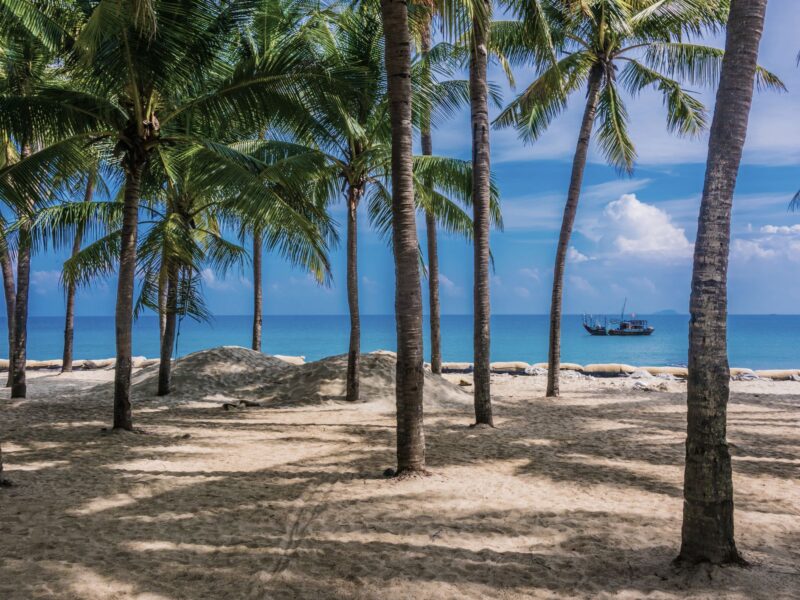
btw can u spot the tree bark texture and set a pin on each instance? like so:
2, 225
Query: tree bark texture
567, 222
408, 293
430, 231
707, 534
125, 289
69, 318
9, 288
19, 355
479, 105
168, 339
354, 349
258, 309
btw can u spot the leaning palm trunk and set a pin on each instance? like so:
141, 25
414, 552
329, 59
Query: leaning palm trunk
408, 293
570, 209
479, 101
9, 287
125, 289
430, 231
257, 293
69, 319
168, 339
707, 533
354, 350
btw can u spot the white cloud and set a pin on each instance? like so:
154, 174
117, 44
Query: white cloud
581, 284
777, 241
45, 282
750, 249
449, 287
530, 273
213, 282
522, 292
643, 230
781, 229
576, 256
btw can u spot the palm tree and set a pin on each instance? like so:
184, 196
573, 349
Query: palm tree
90, 184
9, 283
707, 533
351, 132
408, 294
605, 44
144, 77
479, 111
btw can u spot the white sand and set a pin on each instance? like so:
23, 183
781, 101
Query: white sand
574, 498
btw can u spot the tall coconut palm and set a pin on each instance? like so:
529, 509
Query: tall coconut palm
408, 294
479, 113
144, 77
351, 131
90, 183
9, 281
604, 45
25, 64
707, 533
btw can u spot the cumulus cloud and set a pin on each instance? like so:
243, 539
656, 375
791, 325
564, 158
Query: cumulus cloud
776, 241
449, 286
581, 284
522, 292
530, 273
213, 282
643, 230
45, 282
576, 256
781, 229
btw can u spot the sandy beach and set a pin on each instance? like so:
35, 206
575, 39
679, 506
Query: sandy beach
283, 496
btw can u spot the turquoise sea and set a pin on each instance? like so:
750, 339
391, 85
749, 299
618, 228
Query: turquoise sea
755, 341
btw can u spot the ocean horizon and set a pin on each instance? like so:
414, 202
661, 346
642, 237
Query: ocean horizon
754, 341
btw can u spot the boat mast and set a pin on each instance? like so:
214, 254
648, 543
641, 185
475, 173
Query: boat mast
624, 304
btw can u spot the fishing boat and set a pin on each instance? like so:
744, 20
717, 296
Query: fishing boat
620, 327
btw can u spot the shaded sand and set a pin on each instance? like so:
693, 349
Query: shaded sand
575, 498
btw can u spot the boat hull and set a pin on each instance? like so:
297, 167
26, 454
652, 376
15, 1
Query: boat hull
595, 330
630, 333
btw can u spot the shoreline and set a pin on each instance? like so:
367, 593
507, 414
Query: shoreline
517, 368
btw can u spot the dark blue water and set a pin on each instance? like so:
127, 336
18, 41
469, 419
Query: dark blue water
755, 341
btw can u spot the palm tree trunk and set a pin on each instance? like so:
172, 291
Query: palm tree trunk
707, 533
479, 105
257, 292
19, 354
430, 229
433, 291
3, 480
9, 287
168, 339
162, 298
125, 289
18, 382
69, 319
408, 293
354, 351
570, 209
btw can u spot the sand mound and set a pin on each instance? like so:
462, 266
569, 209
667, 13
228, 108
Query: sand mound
324, 380
224, 370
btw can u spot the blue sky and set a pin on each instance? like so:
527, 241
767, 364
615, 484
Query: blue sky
633, 235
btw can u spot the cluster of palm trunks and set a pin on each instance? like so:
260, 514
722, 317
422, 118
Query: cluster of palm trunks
215, 114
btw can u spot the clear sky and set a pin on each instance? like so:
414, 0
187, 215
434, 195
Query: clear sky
633, 238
